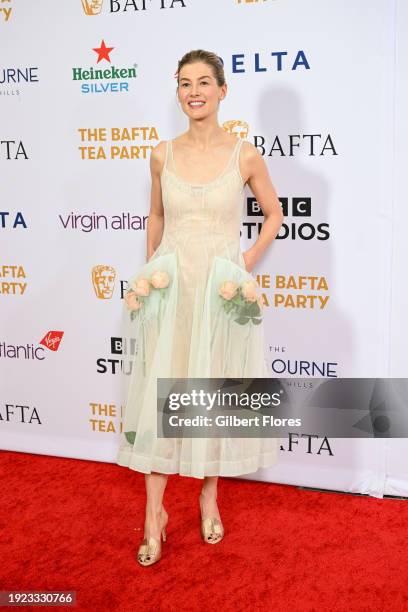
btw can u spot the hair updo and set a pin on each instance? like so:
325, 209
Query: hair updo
199, 55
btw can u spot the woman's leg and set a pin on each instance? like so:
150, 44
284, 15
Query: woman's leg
156, 515
209, 508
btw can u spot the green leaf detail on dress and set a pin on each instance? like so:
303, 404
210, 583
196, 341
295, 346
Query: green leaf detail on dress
130, 436
245, 310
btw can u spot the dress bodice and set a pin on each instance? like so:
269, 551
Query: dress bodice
202, 212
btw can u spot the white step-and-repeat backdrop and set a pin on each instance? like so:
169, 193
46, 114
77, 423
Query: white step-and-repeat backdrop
87, 89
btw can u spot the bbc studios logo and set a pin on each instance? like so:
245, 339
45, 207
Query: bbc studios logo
298, 223
120, 358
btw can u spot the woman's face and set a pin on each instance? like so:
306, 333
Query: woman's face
197, 84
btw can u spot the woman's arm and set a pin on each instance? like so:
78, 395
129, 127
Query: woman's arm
155, 220
255, 173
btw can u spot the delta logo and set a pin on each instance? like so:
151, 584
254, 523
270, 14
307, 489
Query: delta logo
106, 79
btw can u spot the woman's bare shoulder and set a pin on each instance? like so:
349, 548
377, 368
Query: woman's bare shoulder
249, 151
158, 157
248, 158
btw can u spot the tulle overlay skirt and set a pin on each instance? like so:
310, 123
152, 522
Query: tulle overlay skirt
186, 328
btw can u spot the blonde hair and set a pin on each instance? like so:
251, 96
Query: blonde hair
199, 55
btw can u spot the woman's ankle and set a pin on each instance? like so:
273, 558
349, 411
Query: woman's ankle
154, 508
208, 494
156, 515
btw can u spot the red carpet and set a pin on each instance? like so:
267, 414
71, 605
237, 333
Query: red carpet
70, 524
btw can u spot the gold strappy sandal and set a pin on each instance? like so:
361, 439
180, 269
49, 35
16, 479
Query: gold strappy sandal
212, 529
150, 550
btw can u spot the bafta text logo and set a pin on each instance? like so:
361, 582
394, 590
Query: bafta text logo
117, 142
92, 7
104, 417
103, 280
12, 149
234, 126
10, 283
314, 292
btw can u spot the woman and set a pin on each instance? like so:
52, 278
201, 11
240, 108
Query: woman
183, 303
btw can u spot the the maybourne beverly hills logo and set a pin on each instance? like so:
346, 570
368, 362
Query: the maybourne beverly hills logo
104, 79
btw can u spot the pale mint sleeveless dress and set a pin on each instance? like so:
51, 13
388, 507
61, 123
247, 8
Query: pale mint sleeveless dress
184, 329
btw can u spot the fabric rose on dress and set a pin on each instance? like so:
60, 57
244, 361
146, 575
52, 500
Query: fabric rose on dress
241, 301
249, 292
132, 301
141, 287
228, 289
159, 279
143, 290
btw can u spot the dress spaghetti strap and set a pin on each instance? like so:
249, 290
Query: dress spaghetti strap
167, 154
235, 155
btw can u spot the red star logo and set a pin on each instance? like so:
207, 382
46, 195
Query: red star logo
103, 52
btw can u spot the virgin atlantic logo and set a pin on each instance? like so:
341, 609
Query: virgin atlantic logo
52, 340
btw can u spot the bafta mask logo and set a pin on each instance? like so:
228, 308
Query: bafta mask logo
103, 280
234, 126
92, 7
